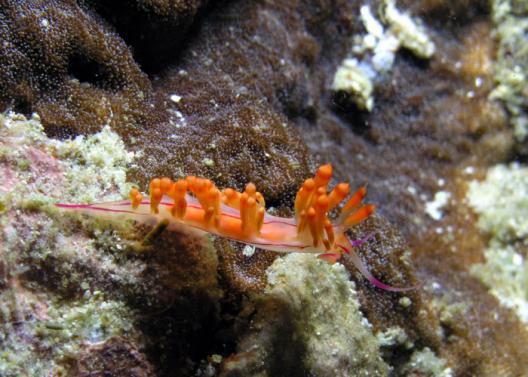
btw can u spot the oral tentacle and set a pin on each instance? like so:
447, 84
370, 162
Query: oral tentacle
361, 266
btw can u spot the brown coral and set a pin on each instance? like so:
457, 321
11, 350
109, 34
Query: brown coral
60, 60
160, 27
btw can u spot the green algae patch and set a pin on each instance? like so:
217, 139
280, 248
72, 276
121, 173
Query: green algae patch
394, 336
425, 363
93, 320
511, 69
62, 330
94, 165
501, 201
86, 168
505, 273
325, 309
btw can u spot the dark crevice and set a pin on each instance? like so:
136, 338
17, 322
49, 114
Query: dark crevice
411, 59
23, 105
156, 39
182, 335
88, 71
344, 108
294, 107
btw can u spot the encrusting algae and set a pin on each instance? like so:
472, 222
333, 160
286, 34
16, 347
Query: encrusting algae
242, 217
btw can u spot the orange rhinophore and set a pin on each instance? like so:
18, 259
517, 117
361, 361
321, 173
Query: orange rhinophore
241, 216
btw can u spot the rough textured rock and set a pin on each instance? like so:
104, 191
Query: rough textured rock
70, 283
304, 300
115, 357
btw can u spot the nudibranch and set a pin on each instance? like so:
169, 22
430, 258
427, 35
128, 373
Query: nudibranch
241, 216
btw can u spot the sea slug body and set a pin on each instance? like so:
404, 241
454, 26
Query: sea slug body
242, 217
